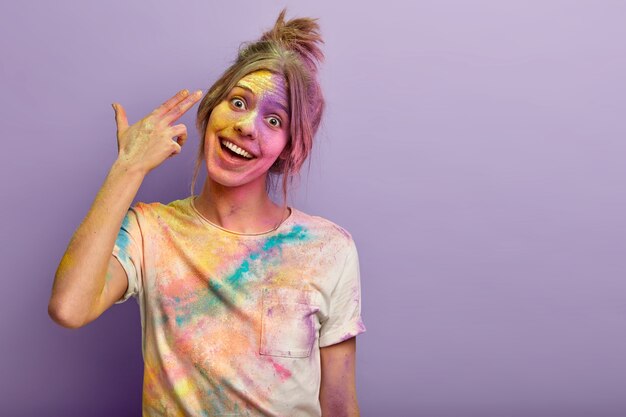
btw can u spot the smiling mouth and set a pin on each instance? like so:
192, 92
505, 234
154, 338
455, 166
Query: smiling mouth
234, 150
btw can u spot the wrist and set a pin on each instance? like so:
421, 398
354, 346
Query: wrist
127, 168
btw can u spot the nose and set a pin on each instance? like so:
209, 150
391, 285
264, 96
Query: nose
246, 125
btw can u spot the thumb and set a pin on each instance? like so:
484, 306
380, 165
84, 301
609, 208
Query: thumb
120, 117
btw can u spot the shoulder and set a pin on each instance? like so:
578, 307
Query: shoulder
325, 229
158, 209
159, 213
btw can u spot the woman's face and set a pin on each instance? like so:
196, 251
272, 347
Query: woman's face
248, 130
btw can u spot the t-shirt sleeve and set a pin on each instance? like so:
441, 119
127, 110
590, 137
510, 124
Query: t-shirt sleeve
128, 250
344, 317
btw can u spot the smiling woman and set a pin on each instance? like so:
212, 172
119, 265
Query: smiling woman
248, 307
247, 132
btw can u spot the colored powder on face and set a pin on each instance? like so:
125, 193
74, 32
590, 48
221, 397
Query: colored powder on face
268, 87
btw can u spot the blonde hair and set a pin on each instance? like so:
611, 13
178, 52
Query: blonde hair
290, 49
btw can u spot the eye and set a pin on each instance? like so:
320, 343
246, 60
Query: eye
274, 121
238, 103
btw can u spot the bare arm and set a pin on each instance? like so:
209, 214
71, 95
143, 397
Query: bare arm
338, 386
88, 279
80, 277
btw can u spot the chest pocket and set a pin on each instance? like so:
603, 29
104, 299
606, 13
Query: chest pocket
289, 323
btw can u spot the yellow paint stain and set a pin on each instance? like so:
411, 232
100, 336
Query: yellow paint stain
183, 387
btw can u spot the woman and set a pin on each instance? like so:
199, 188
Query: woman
247, 307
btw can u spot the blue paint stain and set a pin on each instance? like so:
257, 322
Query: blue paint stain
123, 238
218, 294
238, 276
297, 233
214, 285
206, 302
274, 242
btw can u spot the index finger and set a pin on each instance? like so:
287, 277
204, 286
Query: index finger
171, 102
180, 108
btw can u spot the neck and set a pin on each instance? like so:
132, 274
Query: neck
245, 209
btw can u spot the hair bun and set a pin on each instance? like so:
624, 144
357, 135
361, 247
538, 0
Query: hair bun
301, 35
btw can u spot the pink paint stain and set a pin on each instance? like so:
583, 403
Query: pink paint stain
283, 372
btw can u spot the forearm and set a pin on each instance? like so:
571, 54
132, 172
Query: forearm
338, 383
80, 277
338, 401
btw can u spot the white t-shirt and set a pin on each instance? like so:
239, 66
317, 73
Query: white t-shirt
232, 323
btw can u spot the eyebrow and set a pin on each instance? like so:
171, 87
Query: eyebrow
280, 104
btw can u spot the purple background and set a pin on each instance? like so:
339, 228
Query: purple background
475, 150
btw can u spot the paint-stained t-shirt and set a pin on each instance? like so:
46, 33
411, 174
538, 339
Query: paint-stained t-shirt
232, 324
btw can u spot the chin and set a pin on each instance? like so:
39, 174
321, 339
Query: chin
227, 179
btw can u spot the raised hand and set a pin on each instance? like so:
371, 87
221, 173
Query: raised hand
149, 142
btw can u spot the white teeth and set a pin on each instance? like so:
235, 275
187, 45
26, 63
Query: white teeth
236, 149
